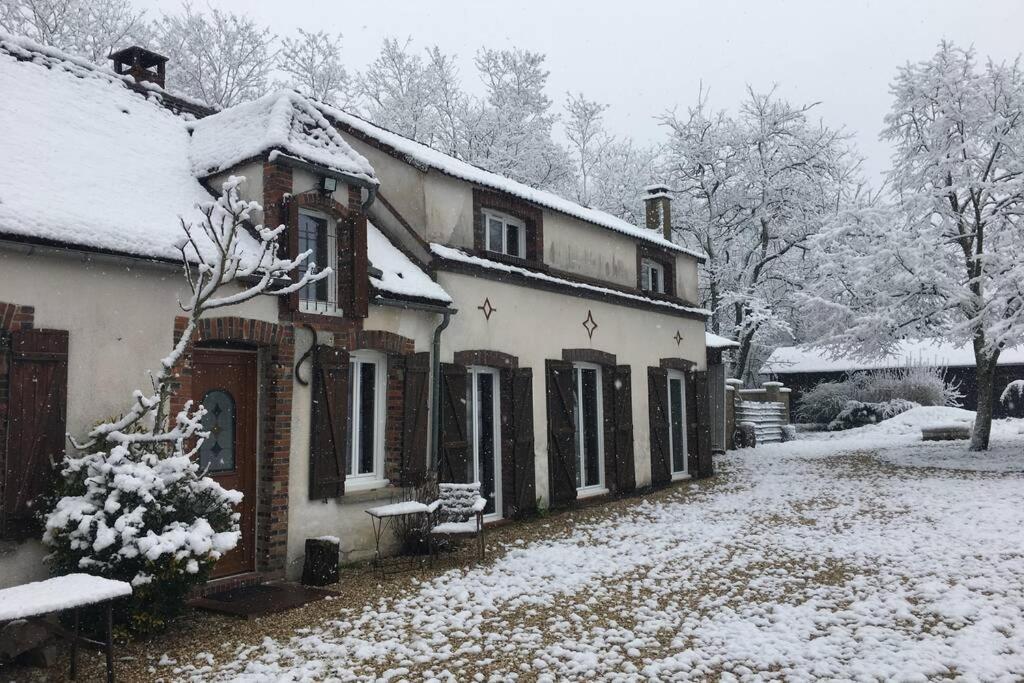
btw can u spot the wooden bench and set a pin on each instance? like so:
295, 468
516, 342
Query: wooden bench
947, 432
33, 601
458, 511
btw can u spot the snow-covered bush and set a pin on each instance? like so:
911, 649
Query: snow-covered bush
918, 385
1014, 388
859, 413
132, 503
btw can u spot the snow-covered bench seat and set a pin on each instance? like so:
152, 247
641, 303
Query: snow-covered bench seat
946, 432
61, 594
458, 511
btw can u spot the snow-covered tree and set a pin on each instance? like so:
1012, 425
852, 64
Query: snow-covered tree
587, 140
312, 64
752, 190
219, 57
944, 260
397, 90
132, 503
89, 28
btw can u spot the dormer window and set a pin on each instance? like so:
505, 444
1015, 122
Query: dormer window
504, 234
317, 234
652, 276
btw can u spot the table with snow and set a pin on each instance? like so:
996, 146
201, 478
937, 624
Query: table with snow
33, 601
384, 517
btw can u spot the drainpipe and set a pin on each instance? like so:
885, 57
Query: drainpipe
435, 369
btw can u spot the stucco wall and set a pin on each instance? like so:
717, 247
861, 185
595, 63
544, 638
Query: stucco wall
345, 517
120, 319
536, 325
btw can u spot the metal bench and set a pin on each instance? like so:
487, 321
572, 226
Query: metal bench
458, 511
33, 601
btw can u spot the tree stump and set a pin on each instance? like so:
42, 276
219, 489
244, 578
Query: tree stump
321, 565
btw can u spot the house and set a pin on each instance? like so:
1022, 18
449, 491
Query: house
802, 368
473, 327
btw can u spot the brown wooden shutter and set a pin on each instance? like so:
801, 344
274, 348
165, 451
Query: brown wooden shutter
518, 478
622, 428
36, 423
415, 419
692, 432
561, 433
452, 463
702, 399
657, 402
327, 455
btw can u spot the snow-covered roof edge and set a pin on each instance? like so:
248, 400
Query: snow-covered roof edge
799, 359
24, 48
713, 341
449, 165
452, 254
400, 277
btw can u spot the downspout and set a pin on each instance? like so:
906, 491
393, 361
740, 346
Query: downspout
446, 314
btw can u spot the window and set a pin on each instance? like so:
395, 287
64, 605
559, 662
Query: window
677, 424
317, 235
652, 276
504, 234
364, 439
589, 421
483, 420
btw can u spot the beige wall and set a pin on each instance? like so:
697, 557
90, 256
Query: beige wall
120, 319
346, 517
440, 208
536, 325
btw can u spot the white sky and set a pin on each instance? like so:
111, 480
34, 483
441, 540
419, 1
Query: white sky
644, 58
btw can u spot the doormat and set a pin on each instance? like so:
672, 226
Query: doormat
258, 600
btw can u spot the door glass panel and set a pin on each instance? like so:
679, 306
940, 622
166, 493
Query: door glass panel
218, 449
587, 426
676, 424
471, 430
367, 415
485, 436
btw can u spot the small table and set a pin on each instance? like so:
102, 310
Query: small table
383, 517
63, 593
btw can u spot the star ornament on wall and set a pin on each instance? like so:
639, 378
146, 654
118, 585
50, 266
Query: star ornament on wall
590, 324
487, 308
678, 338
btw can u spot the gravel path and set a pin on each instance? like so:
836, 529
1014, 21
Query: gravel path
799, 561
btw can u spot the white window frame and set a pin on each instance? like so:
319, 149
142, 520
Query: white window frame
505, 220
329, 307
685, 472
647, 268
374, 479
472, 372
601, 486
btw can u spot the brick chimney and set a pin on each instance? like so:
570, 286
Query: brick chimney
658, 205
141, 64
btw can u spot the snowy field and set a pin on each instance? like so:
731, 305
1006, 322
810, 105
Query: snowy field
808, 560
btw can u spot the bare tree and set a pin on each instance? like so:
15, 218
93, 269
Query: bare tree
89, 28
313, 65
219, 57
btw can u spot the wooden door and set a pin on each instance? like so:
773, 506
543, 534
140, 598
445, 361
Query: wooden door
224, 381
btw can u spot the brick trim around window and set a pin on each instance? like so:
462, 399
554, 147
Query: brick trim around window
531, 215
276, 347
487, 358
395, 347
680, 364
13, 318
667, 262
588, 356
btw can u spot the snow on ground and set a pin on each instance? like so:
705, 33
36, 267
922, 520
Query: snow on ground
800, 561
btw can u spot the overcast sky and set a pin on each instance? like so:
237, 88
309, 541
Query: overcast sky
644, 58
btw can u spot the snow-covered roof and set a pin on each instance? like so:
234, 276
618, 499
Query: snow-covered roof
451, 254
713, 341
427, 156
795, 359
87, 160
283, 122
400, 276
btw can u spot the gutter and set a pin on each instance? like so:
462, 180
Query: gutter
295, 162
435, 369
